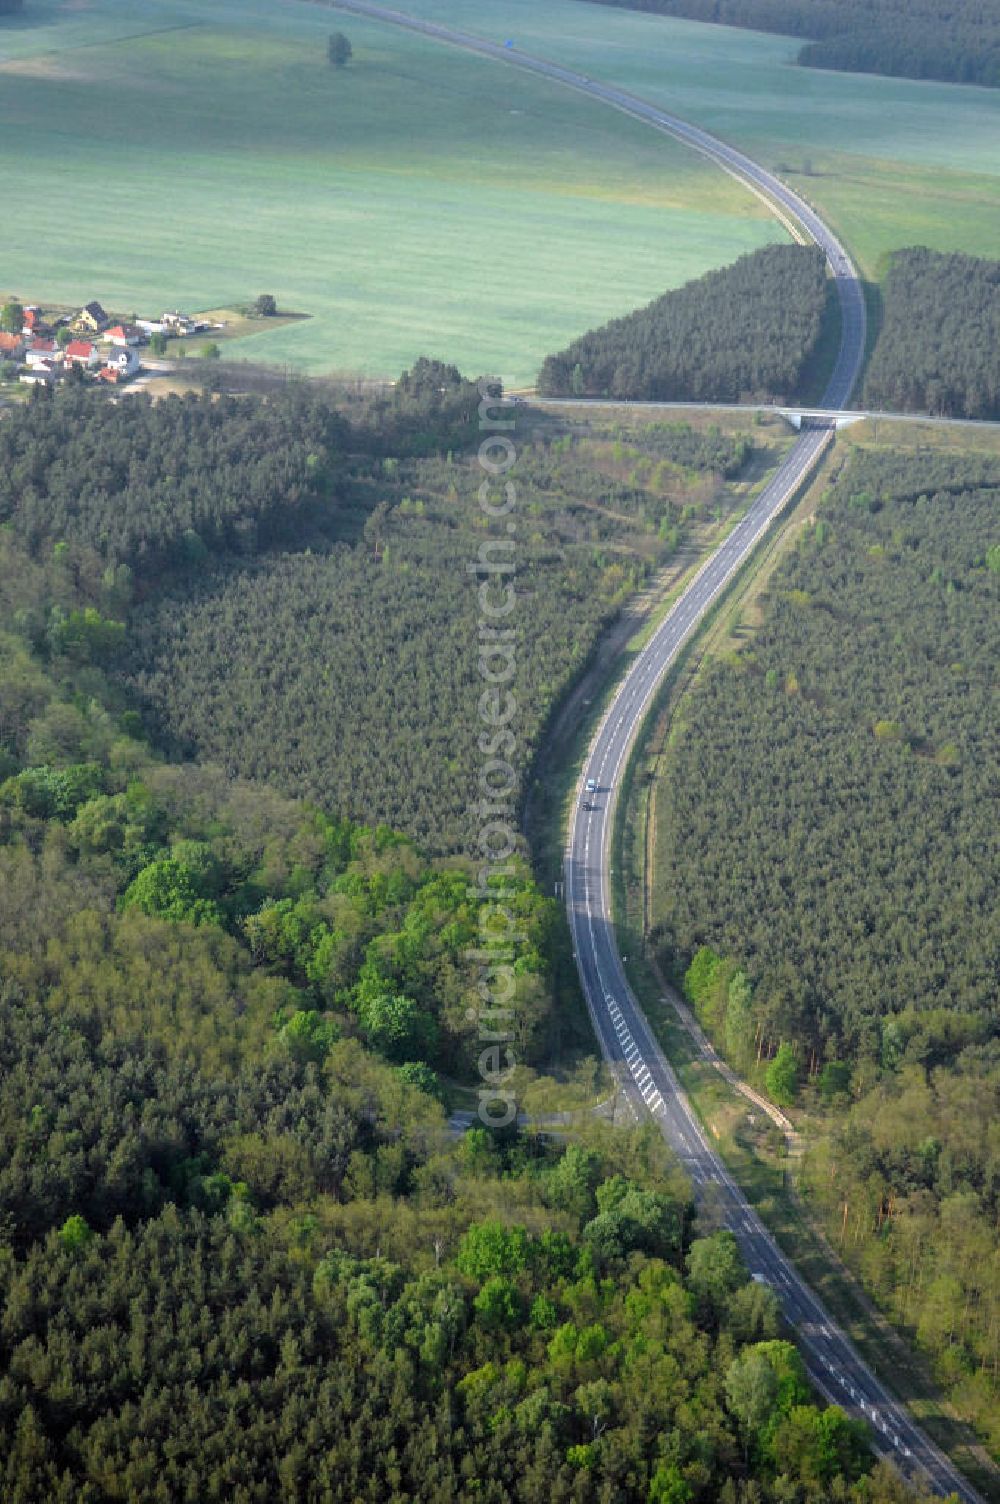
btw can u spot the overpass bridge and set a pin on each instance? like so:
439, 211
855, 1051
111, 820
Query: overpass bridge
806, 418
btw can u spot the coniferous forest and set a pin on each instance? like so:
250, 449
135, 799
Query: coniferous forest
938, 349
956, 41
244, 1255
749, 332
828, 889
297, 588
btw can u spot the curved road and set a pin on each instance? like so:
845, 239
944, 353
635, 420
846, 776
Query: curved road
802, 222
629, 1044
624, 1034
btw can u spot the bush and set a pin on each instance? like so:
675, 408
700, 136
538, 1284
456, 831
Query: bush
782, 1077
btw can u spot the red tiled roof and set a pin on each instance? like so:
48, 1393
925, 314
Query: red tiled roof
10, 341
79, 349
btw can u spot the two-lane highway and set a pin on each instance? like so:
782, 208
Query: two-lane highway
624, 1034
630, 1045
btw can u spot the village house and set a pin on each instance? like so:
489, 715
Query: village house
12, 347
122, 335
121, 366
91, 346
33, 322
80, 352
42, 352
91, 318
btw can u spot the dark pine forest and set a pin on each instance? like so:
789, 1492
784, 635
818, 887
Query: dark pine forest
938, 349
296, 591
957, 41
749, 332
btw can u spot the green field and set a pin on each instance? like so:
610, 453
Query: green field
173, 154
891, 162
164, 154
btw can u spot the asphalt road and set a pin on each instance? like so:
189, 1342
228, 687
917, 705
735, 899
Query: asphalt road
832, 415
625, 1037
628, 1042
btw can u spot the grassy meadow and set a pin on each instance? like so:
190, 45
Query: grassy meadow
891, 162
421, 201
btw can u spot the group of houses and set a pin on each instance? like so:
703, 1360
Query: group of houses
46, 351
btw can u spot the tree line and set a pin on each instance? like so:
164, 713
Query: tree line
750, 331
938, 349
934, 39
157, 486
